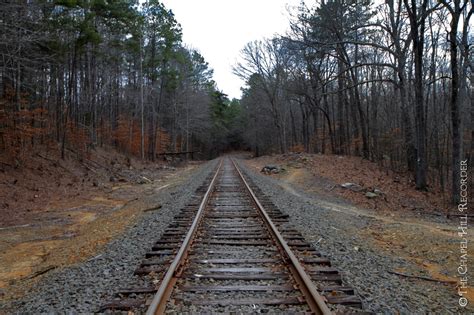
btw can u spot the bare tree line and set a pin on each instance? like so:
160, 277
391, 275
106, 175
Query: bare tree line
392, 82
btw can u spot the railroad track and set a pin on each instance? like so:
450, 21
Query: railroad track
234, 252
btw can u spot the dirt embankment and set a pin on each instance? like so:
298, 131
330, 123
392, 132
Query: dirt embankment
325, 174
28, 188
56, 212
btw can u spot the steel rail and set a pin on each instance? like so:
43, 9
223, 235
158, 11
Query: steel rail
315, 301
158, 304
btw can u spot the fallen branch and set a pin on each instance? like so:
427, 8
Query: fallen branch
129, 201
328, 188
95, 257
46, 158
178, 153
118, 208
55, 163
153, 209
41, 272
420, 277
161, 187
146, 179
90, 168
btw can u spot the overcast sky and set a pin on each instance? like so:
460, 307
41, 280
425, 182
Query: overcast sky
219, 30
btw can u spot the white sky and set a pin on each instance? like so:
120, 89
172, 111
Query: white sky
219, 29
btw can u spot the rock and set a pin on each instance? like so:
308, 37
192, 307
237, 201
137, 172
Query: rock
272, 169
167, 167
371, 195
143, 180
378, 192
352, 186
278, 170
113, 179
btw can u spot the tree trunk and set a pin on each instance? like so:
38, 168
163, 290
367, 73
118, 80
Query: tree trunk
417, 25
454, 104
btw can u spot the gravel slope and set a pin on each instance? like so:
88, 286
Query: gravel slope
82, 288
335, 235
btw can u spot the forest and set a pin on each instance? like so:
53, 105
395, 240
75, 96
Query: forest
81, 74
390, 81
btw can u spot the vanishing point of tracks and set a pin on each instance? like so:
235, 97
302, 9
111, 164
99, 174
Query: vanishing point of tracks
232, 251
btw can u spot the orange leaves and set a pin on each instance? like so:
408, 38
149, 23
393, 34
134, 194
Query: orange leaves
298, 148
37, 113
164, 141
27, 126
78, 137
355, 144
124, 134
319, 138
127, 136
20, 130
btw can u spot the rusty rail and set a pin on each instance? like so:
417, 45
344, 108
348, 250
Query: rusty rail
158, 303
313, 298
315, 301
192, 235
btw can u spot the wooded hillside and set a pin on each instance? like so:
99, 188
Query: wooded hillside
391, 81
80, 74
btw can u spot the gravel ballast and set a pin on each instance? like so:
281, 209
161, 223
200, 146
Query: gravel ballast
83, 287
335, 235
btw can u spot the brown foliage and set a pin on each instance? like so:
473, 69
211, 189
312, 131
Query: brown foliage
21, 128
127, 136
298, 148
